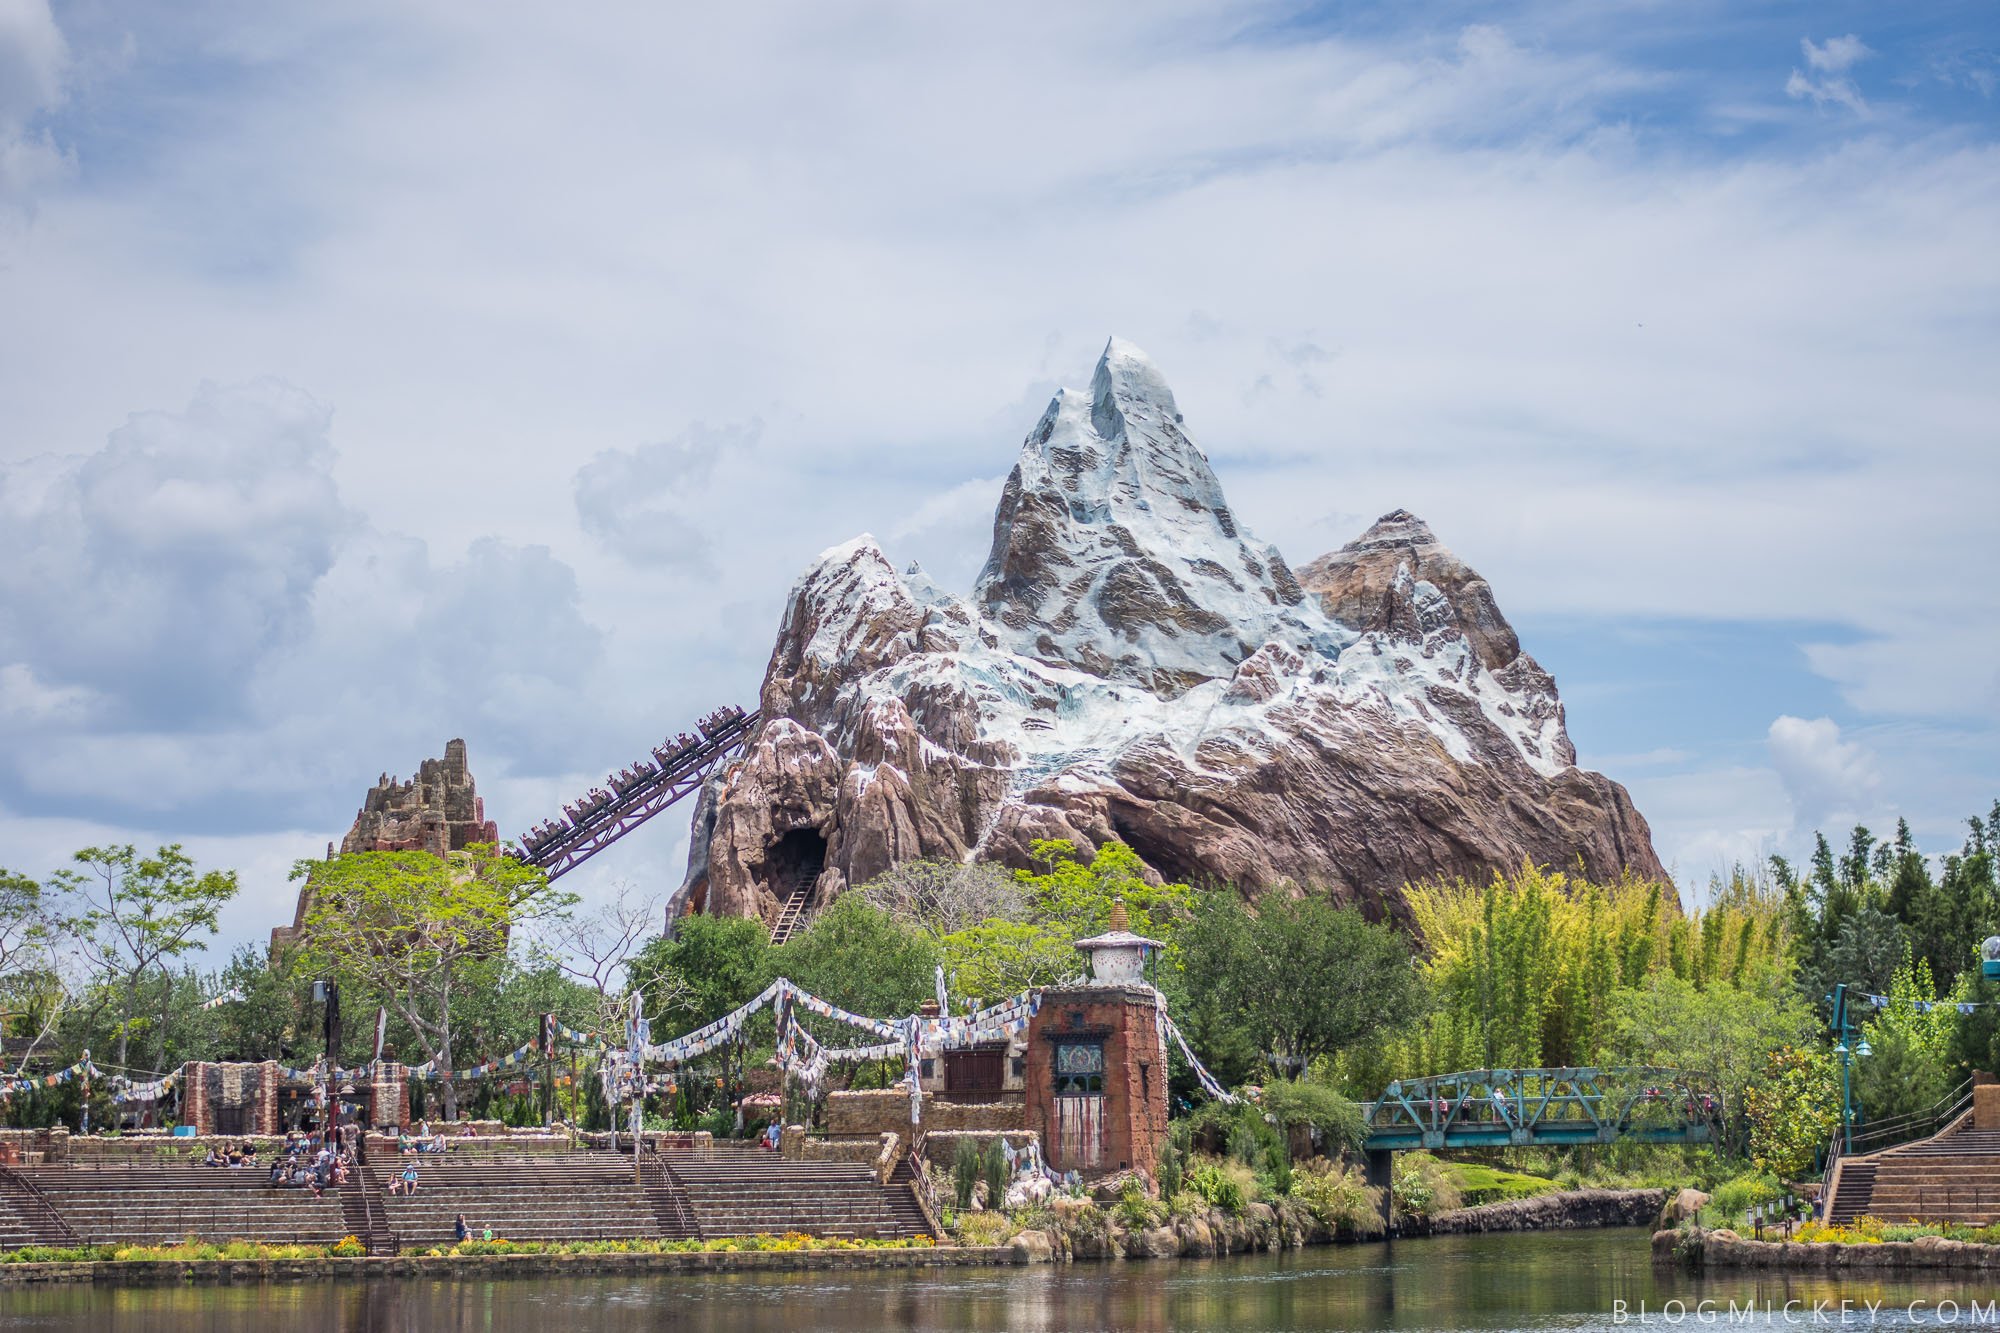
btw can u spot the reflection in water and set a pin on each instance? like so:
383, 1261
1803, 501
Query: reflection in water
1552, 1281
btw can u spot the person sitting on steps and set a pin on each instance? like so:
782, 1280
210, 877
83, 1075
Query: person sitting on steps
459, 1230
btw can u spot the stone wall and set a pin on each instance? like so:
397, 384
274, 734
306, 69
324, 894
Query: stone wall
207, 1089
1560, 1211
29, 1146
875, 1112
941, 1145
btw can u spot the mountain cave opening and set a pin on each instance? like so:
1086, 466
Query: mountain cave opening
794, 862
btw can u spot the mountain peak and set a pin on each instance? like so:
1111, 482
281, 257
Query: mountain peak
1114, 549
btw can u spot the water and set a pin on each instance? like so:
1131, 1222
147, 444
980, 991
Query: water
1554, 1282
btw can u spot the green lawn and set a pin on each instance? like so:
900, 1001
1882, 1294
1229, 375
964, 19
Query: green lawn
1488, 1184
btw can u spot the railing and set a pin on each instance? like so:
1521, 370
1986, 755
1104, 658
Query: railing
1898, 1130
1523, 1105
37, 1204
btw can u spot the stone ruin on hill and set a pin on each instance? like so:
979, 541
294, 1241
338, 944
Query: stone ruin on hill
438, 811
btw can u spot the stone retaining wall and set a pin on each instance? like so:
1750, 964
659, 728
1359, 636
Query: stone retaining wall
870, 1113
1547, 1212
134, 1272
1726, 1249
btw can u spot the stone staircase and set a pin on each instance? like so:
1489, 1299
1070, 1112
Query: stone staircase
156, 1205
1951, 1177
26, 1216
362, 1211
740, 1190
542, 1197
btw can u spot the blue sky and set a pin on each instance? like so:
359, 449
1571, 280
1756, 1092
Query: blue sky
375, 375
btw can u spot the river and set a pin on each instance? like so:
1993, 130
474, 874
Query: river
1549, 1281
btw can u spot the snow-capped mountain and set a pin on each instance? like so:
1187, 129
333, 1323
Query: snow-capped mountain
1133, 664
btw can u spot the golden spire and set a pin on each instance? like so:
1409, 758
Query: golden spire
1119, 921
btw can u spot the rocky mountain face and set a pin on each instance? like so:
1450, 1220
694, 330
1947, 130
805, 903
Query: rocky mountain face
1132, 664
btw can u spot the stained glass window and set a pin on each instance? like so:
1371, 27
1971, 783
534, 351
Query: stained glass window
1079, 1068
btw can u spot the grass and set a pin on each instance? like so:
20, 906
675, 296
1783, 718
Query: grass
1489, 1184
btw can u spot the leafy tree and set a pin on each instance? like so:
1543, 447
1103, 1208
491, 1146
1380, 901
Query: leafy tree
1300, 978
707, 967
861, 958
1073, 899
31, 986
1793, 1110
1908, 1068
424, 934
995, 959
134, 916
1724, 1031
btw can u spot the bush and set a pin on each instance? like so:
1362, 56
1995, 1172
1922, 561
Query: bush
996, 1175
1334, 1120
1341, 1198
1733, 1198
1424, 1186
1224, 1184
1134, 1209
1168, 1170
965, 1169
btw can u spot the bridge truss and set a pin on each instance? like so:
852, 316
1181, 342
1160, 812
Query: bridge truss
606, 814
1500, 1107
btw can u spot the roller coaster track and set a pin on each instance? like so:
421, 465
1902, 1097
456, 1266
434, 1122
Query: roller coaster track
606, 814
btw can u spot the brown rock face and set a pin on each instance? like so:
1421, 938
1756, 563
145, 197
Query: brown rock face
1132, 665
438, 811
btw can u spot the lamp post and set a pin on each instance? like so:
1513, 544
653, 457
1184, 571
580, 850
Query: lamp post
1842, 1030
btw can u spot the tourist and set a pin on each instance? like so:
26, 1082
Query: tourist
1500, 1105
459, 1229
410, 1178
214, 1158
773, 1133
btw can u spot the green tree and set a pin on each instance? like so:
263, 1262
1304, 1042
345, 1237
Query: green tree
709, 966
1793, 1110
861, 958
1724, 1031
1908, 1068
135, 916
1299, 978
422, 934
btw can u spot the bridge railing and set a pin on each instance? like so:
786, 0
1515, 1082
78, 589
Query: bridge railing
1600, 1103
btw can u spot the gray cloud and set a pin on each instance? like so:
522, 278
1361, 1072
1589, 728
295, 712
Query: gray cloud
645, 505
33, 61
159, 571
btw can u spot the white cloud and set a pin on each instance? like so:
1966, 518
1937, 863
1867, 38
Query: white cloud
1829, 781
645, 505
1835, 54
34, 59
1829, 61
1626, 370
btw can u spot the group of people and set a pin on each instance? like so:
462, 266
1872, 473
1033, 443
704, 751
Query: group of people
244, 1154
313, 1163
423, 1140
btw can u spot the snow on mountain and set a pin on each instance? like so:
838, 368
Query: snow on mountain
1133, 663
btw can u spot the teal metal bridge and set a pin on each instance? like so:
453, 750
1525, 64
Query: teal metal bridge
1494, 1108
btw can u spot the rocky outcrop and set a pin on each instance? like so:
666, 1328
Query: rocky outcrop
1133, 664
438, 811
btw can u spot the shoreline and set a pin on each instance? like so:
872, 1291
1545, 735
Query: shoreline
1725, 1249
1259, 1229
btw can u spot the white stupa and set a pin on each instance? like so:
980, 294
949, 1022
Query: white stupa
1118, 957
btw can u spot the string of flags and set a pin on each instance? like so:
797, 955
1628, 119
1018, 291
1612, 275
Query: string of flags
1925, 1006
82, 1068
1168, 1029
231, 995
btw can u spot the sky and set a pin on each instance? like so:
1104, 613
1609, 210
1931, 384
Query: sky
378, 373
